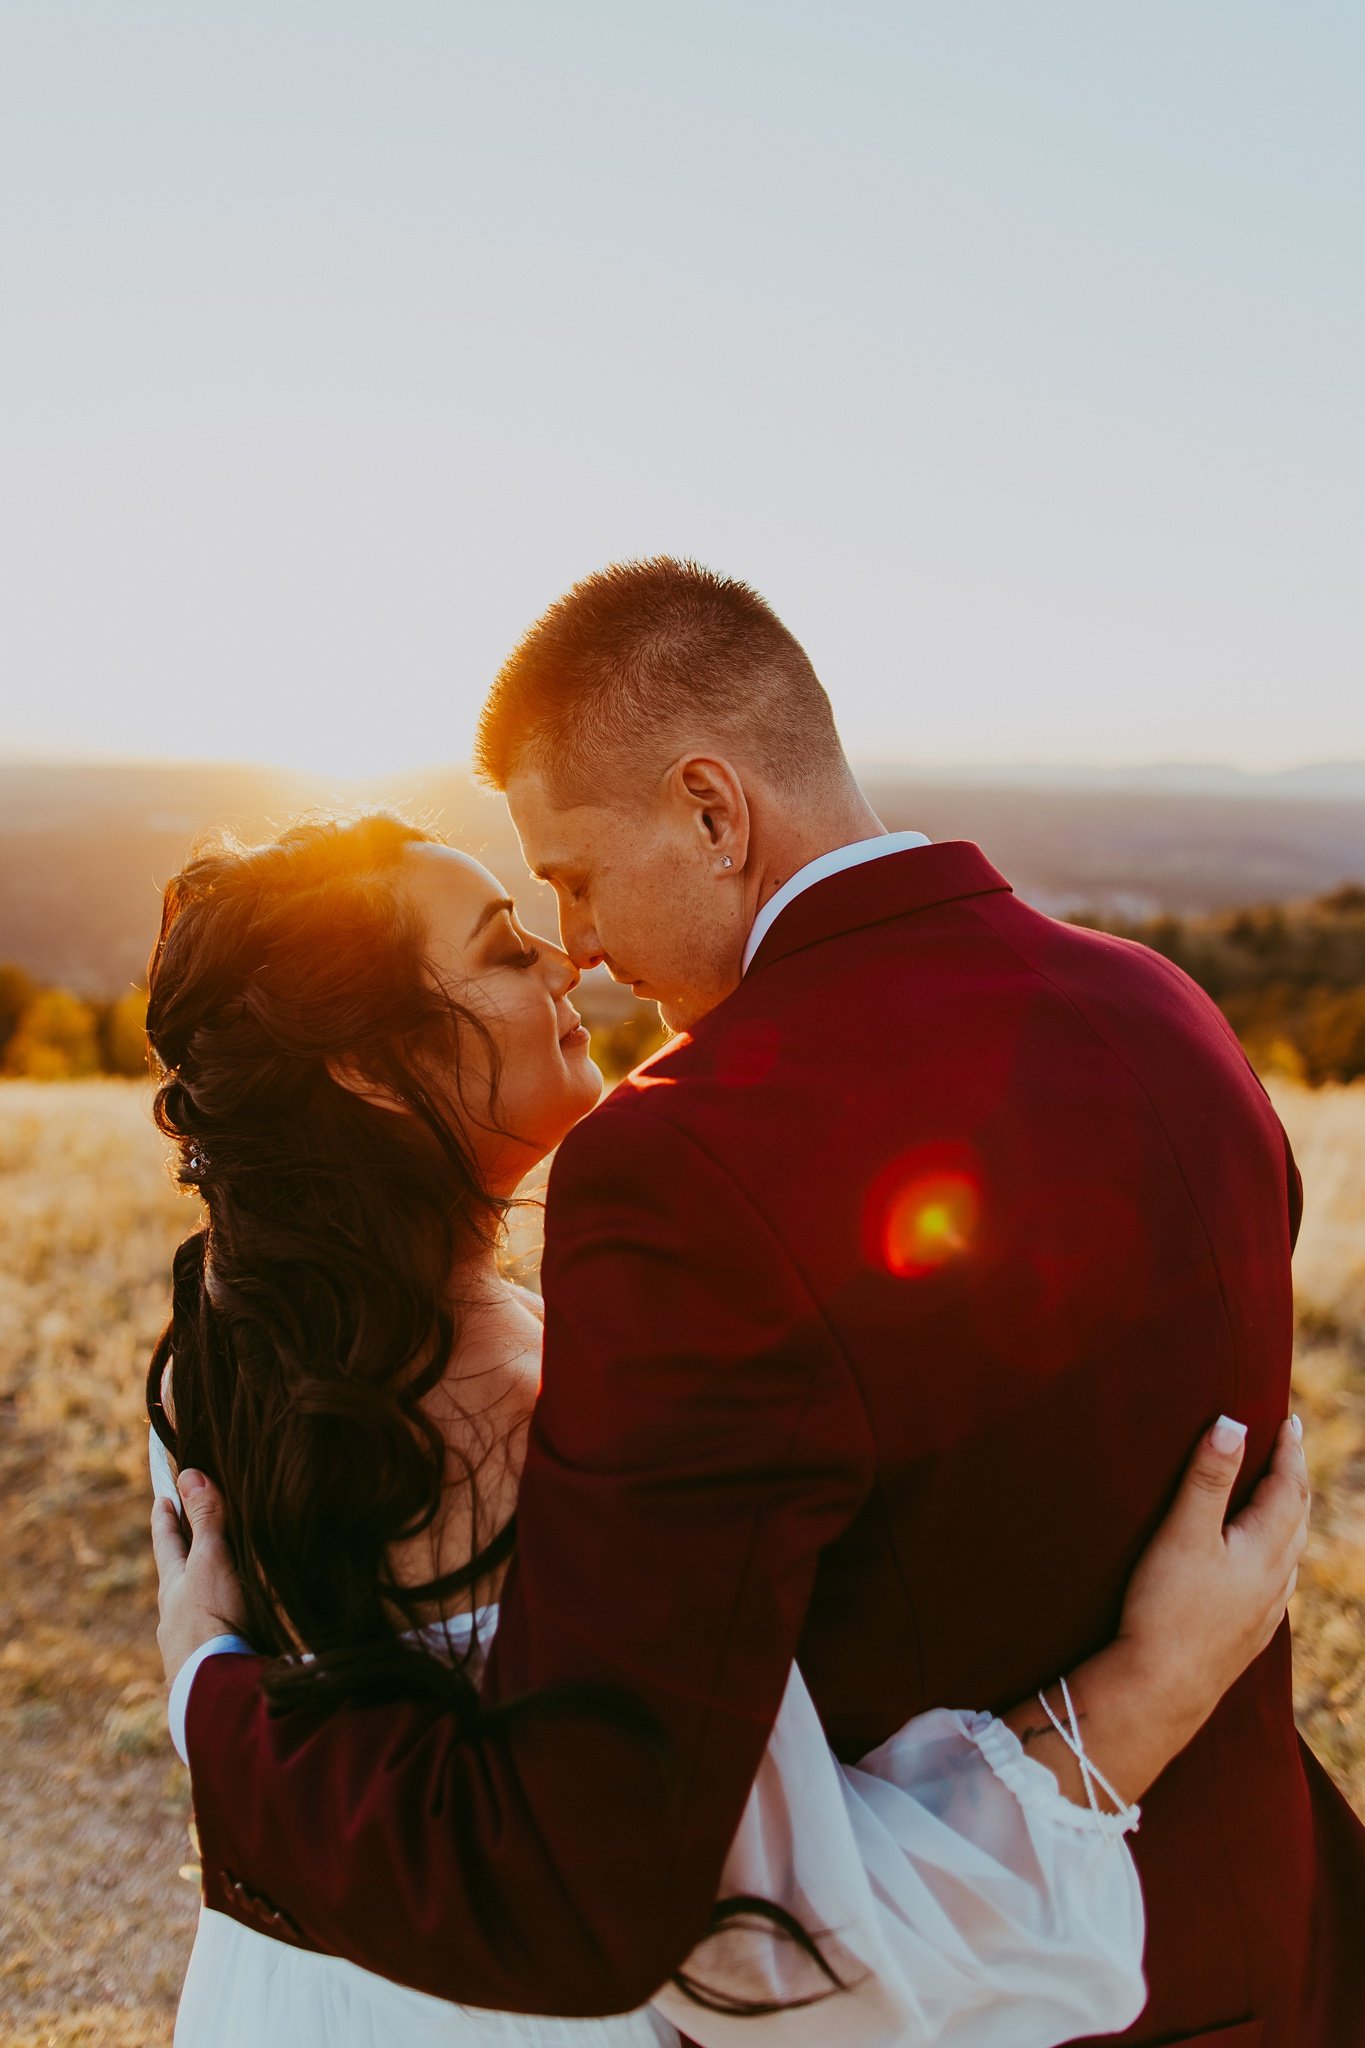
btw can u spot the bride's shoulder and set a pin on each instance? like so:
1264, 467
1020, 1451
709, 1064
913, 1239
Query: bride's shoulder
528, 1298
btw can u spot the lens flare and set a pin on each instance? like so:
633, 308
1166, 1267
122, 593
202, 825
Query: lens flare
923, 1215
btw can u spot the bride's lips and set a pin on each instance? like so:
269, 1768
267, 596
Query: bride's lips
576, 1037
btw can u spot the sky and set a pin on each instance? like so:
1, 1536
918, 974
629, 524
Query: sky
1012, 352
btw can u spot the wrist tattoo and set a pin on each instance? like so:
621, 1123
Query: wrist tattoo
1034, 1733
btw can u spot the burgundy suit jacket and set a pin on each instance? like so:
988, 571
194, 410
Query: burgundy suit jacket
882, 1313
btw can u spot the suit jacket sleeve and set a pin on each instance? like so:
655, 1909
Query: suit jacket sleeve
1295, 1185
697, 1443
1293, 1178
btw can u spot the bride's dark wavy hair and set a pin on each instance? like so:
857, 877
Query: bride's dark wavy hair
311, 1314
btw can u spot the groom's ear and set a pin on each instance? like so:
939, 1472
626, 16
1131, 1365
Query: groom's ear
717, 810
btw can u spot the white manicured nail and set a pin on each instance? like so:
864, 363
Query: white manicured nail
1227, 1436
1296, 1424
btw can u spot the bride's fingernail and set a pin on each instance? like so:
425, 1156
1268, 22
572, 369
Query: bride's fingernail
1296, 1424
1227, 1436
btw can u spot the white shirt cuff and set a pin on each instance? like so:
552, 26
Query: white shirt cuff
178, 1704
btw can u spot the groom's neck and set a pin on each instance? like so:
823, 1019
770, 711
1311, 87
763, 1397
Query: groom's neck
798, 833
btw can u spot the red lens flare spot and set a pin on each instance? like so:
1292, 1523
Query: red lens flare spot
924, 1218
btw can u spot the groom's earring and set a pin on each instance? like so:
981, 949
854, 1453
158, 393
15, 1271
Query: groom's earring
726, 861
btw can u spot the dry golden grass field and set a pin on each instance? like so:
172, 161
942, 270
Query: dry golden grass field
96, 1898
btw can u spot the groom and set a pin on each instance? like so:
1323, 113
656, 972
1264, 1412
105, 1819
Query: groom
881, 1308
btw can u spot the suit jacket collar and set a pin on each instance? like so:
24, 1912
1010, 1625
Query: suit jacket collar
918, 879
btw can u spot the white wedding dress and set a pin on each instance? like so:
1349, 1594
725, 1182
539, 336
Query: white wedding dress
970, 1906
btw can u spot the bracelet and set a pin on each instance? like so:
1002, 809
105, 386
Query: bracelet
1091, 1774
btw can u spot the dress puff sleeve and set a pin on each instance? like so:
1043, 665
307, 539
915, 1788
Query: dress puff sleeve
962, 1899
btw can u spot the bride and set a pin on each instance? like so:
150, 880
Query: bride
363, 1054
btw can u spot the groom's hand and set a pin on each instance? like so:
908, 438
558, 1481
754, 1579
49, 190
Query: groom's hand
200, 1594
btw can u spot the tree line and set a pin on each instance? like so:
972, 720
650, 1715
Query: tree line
49, 1034
1289, 978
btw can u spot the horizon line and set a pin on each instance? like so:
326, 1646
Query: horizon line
935, 768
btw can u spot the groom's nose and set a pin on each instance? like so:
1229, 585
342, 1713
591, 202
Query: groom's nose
578, 936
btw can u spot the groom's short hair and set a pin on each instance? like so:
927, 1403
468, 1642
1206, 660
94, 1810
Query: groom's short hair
637, 663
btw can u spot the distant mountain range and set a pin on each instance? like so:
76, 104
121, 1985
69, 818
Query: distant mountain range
1334, 781
86, 849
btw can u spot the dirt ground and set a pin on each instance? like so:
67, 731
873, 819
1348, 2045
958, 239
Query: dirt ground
97, 1890
97, 1916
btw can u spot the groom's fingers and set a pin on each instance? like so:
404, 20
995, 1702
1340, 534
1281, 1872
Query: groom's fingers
212, 1575
168, 1544
203, 1504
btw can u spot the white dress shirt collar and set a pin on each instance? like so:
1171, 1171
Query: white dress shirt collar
819, 870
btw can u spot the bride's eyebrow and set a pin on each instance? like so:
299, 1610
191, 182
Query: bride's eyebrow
489, 912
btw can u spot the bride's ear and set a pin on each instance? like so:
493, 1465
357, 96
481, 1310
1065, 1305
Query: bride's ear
350, 1075
718, 810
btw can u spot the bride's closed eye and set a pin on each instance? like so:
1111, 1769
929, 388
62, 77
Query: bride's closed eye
525, 956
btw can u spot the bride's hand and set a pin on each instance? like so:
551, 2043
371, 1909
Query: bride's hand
1208, 1594
1204, 1601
